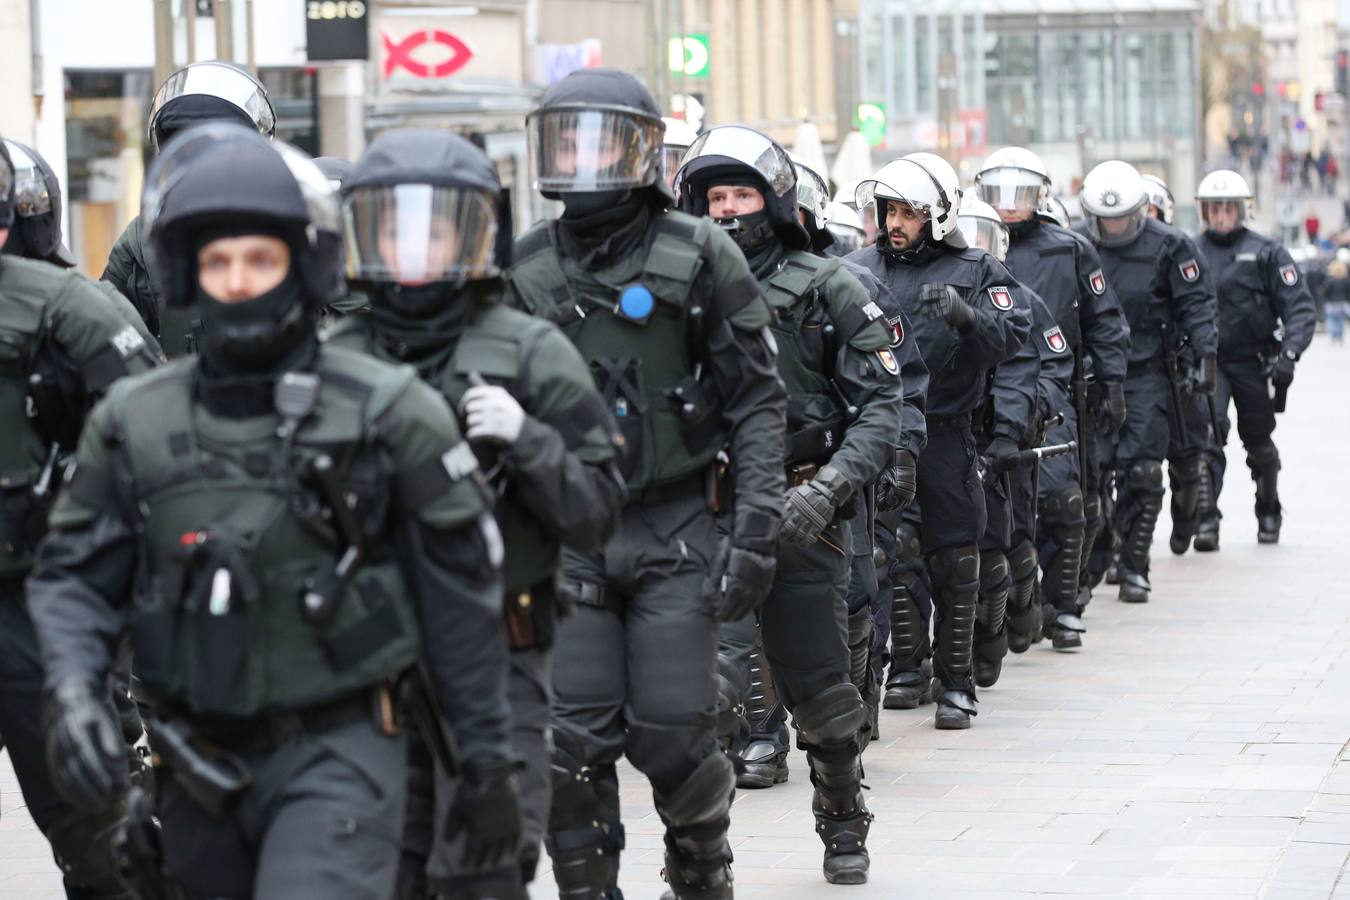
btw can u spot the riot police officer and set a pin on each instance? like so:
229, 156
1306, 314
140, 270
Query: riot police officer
1266, 322
844, 397
1161, 205
36, 233
967, 320
427, 229
1064, 270
66, 341
1024, 392
675, 327
199, 92
287, 532
1166, 298
678, 135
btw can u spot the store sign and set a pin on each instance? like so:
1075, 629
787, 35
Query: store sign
690, 55
450, 54
870, 119
337, 29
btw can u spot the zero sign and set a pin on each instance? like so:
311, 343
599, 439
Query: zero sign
336, 9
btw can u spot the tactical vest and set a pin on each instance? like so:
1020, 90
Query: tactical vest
22, 451
1247, 317
809, 333
647, 367
232, 538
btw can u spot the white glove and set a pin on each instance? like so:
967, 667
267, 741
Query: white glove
491, 413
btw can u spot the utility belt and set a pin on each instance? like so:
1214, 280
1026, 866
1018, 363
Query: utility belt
944, 423
693, 484
531, 616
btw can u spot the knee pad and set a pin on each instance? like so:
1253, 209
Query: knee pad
831, 717
1022, 562
860, 626
83, 847
955, 569
1092, 506
1263, 459
995, 574
907, 553
1146, 477
1065, 507
731, 691
705, 796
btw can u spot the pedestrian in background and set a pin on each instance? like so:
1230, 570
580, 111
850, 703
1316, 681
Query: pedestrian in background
1338, 299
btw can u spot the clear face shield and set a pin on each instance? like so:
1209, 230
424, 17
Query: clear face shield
1015, 193
989, 236
1116, 231
812, 195
671, 157
217, 79
415, 234
576, 149
31, 194
1223, 216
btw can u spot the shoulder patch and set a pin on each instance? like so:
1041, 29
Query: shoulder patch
1001, 297
888, 361
1289, 274
897, 330
1054, 339
1190, 270
129, 341
1097, 282
873, 311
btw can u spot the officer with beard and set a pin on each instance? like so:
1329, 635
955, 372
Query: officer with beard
1266, 322
675, 328
1165, 295
427, 228
286, 531
199, 92
66, 341
967, 320
844, 399
1063, 268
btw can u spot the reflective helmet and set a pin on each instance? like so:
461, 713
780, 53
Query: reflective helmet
220, 174
813, 195
846, 225
424, 207
732, 152
982, 227
6, 187
1013, 179
1113, 192
206, 91
335, 169
37, 206
679, 135
924, 181
1225, 185
847, 194
596, 130
1054, 210
1160, 195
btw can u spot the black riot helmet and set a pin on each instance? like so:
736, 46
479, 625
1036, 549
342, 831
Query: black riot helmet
220, 175
597, 130
734, 154
36, 232
206, 92
423, 213
6, 187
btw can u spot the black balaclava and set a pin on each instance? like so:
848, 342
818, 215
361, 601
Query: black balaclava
599, 227
1022, 229
194, 109
428, 340
1226, 239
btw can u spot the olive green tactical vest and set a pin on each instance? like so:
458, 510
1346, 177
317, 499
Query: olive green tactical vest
216, 496
808, 335
644, 369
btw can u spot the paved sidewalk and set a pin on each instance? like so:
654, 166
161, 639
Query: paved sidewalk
1197, 746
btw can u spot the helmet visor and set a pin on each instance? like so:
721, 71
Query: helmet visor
218, 79
750, 148
1011, 190
991, 237
1117, 231
31, 196
812, 194
1224, 215
593, 149
415, 234
671, 156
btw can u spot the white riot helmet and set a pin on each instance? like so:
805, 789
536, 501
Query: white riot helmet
1054, 210
813, 195
1160, 195
1013, 180
679, 135
1113, 198
924, 181
1225, 185
846, 225
982, 227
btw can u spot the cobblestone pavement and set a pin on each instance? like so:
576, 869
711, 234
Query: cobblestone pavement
1196, 746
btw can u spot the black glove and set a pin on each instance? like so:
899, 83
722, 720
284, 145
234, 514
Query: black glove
1115, 404
1000, 453
85, 753
1207, 375
486, 810
897, 482
740, 580
1282, 372
942, 301
812, 505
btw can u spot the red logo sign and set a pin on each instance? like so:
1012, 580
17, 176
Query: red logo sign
1097, 281
400, 54
1001, 297
1054, 339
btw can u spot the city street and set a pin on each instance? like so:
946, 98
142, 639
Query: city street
1196, 746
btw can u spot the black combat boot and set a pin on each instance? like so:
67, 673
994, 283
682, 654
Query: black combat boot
764, 756
696, 816
1023, 615
991, 635
956, 584
909, 684
828, 727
